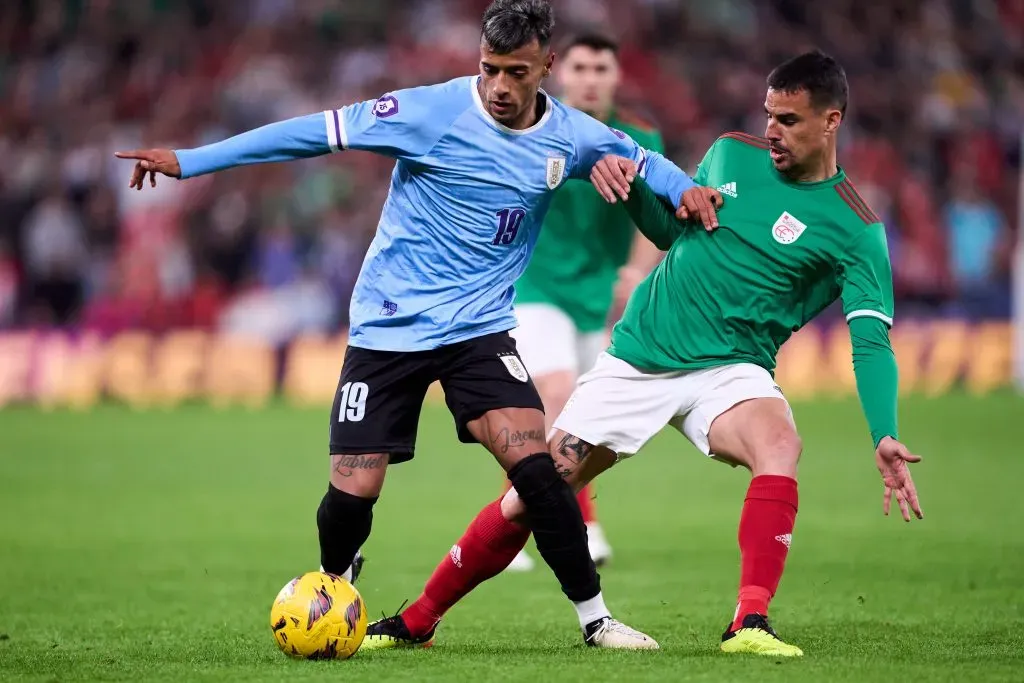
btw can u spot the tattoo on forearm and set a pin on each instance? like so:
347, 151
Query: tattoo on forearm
505, 440
345, 465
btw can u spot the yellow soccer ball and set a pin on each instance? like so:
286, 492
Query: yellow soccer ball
318, 616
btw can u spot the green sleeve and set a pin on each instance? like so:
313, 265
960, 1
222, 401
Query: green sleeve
654, 218
865, 276
874, 365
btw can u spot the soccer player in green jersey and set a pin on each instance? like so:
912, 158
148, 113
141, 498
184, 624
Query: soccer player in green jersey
696, 346
588, 253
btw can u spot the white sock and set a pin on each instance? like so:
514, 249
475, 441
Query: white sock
347, 574
591, 610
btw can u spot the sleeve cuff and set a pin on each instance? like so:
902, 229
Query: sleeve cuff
185, 163
868, 313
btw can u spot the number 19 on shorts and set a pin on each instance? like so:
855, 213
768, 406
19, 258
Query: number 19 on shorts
352, 401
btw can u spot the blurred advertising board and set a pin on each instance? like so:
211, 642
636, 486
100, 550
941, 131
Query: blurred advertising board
60, 369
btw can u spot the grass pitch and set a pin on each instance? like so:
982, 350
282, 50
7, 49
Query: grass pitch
148, 546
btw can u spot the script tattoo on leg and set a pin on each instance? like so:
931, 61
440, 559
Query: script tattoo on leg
505, 440
345, 465
572, 449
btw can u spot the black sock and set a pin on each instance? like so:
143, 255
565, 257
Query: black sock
344, 523
557, 525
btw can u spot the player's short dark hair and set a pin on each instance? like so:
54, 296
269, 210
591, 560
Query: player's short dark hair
510, 24
599, 42
817, 73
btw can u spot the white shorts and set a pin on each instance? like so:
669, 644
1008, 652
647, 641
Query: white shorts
548, 341
620, 407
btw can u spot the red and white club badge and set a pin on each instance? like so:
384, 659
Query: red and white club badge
787, 229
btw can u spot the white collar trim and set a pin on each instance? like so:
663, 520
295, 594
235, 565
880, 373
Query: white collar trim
548, 110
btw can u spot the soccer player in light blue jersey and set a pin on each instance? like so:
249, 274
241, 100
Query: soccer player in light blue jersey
477, 162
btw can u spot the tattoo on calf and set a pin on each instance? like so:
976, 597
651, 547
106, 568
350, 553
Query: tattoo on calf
345, 465
505, 439
574, 448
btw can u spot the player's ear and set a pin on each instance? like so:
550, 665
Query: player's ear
833, 118
549, 63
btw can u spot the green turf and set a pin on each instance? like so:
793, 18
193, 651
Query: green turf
148, 546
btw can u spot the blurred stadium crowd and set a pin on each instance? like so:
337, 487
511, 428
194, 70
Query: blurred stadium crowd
932, 141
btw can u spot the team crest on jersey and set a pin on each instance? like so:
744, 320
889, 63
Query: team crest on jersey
514, 366
386, 106
556, 168
787, 229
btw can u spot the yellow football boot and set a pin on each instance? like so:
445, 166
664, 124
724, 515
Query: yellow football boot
392, 633
757, 637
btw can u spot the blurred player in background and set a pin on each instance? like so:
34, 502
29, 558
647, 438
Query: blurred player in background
697, 344
564, 300
477, 162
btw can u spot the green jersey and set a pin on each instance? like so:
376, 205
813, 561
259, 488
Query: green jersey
784, 251
582, 245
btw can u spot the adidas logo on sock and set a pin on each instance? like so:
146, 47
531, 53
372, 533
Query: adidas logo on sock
456, 554
784, 539
728, 189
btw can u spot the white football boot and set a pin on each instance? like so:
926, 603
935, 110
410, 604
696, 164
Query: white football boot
614, 635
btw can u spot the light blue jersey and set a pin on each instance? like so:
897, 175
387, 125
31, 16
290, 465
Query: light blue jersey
466, 203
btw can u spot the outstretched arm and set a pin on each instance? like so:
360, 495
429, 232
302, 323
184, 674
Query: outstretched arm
298, 138
613, 175
397, 125
594, 140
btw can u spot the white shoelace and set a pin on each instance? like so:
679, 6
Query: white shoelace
616, 627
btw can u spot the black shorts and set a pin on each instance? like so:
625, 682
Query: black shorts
380, 393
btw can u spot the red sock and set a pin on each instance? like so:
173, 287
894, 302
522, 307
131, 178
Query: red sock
766, 530
488, 546
587, 507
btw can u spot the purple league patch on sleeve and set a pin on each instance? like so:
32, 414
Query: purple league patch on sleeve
618, 133
386, 106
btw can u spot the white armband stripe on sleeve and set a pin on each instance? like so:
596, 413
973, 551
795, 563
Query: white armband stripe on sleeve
868, 313
641, 168
330, 119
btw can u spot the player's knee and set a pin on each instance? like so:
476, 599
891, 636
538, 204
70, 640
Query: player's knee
779, 453
359, 475
512, 507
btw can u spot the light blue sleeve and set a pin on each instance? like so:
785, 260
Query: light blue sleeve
594, 140
401, 124
298, 138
